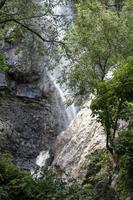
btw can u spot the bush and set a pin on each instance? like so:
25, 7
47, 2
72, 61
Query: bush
124, 151
18, 185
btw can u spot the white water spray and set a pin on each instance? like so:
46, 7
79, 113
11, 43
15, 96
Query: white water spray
42, 158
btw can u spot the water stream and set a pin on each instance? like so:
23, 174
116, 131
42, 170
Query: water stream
61, 93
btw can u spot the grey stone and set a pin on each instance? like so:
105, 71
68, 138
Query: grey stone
3, 81
80, 140
130, 196
21, 76
28, 91
29, 127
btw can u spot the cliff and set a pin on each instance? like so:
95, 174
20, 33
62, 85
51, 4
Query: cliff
82, 138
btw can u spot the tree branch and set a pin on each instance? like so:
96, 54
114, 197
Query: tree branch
32, 31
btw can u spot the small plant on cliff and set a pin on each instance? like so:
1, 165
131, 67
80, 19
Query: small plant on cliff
100, 167
3, 62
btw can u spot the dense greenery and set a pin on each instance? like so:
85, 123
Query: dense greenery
114, 101
101, 40
18, 185
113, 106
100, 37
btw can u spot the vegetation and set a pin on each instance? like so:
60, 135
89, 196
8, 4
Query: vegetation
100, 39
30, 24
113, 101
16, 14
124, 150
18, 185
101, 165
3, 63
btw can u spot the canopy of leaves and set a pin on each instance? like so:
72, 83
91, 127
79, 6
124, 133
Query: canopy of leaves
114, 100
100, 37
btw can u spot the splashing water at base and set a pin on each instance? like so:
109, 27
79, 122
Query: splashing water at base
42, 158
41, 161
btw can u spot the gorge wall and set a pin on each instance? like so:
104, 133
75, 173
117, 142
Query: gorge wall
81, 139
31, 111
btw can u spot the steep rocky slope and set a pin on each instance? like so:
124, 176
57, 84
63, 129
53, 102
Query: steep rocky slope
82, 138
29, 122
30, 116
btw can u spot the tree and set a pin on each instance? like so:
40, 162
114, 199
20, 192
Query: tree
27, 14
33, 22
113, 102
98, 39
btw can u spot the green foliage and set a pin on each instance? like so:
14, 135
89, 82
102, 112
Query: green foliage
114, 99
123, 147
102, 166
100, 37
124, 143
3, 62
1, 33
16, 20
15, 36
18, 185
3, 194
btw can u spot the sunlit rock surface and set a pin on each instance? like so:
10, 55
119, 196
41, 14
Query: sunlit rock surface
78, 141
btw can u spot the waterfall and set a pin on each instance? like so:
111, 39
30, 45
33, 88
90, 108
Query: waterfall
71, 110
42, 158
60, 93
41, 161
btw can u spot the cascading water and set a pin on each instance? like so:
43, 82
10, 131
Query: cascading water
66, 113
70, 111
45, 155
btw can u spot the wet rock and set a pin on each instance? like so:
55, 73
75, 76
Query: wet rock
28, 91
22, 76
3, 81
26, 128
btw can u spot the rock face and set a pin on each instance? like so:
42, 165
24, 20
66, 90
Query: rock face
27, 127
29, 121
82, 138
29, 116
3, 81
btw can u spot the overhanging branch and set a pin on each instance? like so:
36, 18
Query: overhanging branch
31, 30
